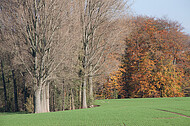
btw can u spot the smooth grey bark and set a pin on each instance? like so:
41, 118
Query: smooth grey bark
43, 99
37, 89
63, 98
15, 91
4, 85
37, 103
47, 97
73, 100
84, 92
80, 96
91, 87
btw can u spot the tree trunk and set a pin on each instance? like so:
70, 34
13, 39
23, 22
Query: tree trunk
4, 85
84, 92
52, 101
91, 87
47, 97
43, 99
24, 89
80, 96
73, 101
70, 105
63, 98
15, 91
37, 100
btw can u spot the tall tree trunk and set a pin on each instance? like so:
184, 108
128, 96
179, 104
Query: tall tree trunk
84, 91
70, 101
47, 97
55, 99
73, 101
24, 89
37, 100
80, 96
91, 87
4, 85
63, 97
43, 99
15, 91
52, 101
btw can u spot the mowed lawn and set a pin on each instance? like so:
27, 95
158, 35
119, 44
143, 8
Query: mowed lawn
114, 112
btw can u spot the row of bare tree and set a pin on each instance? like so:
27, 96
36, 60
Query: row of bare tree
60, 43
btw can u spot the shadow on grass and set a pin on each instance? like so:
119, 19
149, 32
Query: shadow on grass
12, 113
2, 112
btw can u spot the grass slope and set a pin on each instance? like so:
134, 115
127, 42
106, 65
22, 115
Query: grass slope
119, 112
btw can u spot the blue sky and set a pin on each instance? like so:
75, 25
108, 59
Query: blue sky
175, 10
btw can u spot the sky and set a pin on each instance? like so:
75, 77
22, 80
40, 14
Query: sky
175, 10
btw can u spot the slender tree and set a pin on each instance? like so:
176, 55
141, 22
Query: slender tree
97, 21
15, 91
4, 86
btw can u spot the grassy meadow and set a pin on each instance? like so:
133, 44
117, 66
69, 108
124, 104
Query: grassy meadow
113, 112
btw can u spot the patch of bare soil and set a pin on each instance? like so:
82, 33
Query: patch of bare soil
92, 106
174, 113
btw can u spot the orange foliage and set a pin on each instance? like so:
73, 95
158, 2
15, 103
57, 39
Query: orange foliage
111, 89
153, 64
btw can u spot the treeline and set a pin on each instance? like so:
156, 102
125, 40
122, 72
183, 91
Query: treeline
53, 51
61, 54
156, 62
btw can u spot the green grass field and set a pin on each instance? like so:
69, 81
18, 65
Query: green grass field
119, 112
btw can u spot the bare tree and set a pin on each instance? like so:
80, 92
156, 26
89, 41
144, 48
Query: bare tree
43, 23
97, 18
35, 33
